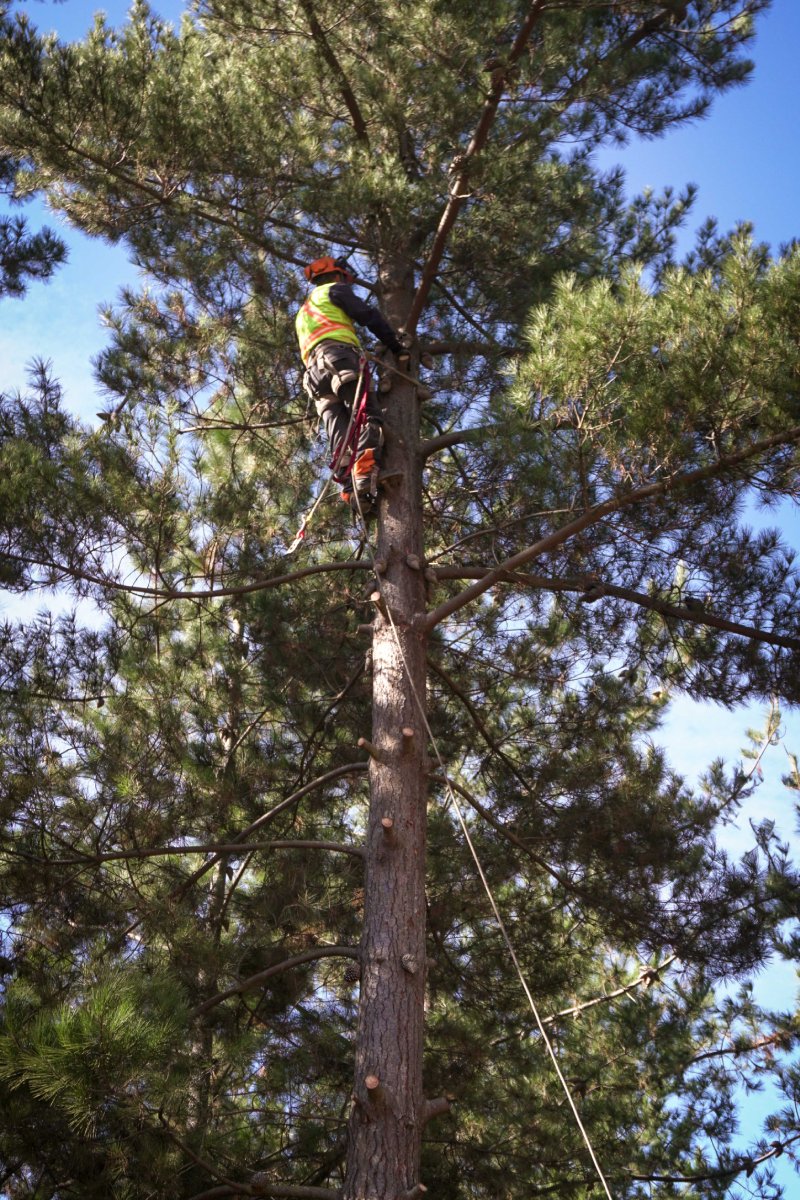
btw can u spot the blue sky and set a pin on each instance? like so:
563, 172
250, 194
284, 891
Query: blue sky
744, 158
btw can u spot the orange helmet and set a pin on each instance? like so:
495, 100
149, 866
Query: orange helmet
322, 266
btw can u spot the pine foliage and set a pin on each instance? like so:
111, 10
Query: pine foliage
183, 798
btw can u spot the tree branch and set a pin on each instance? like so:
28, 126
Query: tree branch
254, 981
480, 349
165, 594
241, 1189
321, 781
582, 583
648, 491
480, 724
224, 1189
460, 166
503, 831
265, 818
780, 1039
701, 617
651, 25
265, 1187
436, 1108
454, 438
206, 848
345, 90
647, 977
746, 1164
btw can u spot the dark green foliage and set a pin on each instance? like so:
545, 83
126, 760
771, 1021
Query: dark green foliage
193, 699
23, 255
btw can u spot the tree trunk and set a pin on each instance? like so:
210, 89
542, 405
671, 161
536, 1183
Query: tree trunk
388, 1104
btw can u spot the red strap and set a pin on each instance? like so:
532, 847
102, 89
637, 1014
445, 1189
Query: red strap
351, 442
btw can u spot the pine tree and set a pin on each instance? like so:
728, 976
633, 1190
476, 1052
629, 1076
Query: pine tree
23, 255
220, 888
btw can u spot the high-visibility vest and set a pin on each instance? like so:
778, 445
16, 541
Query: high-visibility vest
320, 319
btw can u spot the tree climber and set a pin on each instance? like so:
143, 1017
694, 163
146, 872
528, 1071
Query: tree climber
331, 352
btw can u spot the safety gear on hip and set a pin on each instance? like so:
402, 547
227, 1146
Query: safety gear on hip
331, 368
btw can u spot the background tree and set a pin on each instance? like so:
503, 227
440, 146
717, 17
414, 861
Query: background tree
207, 917
23, 254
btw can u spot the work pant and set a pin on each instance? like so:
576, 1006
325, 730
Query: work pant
331, 379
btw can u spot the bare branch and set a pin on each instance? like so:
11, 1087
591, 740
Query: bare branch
596, 513
455, 437
436, 1108
255, 981
224, 1189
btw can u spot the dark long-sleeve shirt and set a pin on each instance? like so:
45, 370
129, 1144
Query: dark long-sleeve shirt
364, 314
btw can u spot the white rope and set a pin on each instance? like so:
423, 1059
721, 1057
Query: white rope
484, 880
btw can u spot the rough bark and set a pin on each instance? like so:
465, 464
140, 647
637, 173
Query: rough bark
388, 1110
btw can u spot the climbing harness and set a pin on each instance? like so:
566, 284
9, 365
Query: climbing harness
341, 464
343, 461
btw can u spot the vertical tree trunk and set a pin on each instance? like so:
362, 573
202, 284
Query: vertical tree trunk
388, 1103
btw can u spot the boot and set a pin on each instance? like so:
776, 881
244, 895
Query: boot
362, 495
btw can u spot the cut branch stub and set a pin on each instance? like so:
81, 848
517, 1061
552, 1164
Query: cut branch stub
377, 599
372, 750
414, 1193
436, 1108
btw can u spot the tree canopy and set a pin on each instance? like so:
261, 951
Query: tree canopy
204, 905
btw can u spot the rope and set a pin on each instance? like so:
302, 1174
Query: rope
484, 880
387, 366
349, 442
